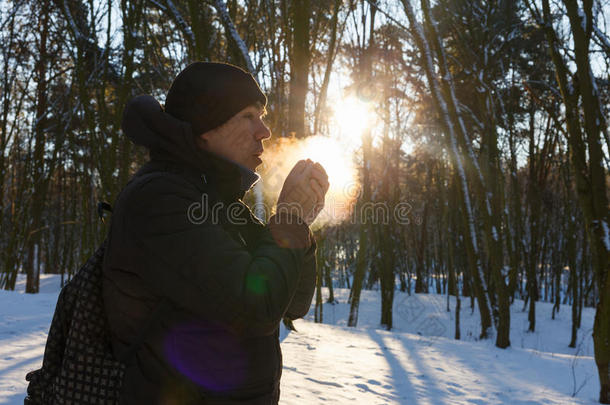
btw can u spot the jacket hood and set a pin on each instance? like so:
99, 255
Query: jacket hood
169, 139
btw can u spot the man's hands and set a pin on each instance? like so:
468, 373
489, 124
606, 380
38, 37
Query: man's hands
304, 191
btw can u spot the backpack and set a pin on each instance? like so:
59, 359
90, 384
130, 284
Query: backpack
79, 366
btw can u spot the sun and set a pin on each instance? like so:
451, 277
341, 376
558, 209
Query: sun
336, 152
337, 162
342, 175
351, 118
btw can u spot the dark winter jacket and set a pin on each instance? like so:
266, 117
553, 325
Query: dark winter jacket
227, 278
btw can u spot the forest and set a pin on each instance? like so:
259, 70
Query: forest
466, 141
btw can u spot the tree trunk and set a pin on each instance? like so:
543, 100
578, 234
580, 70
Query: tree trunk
444, 100
362, 256
591, 177
32, 265
299, 68
320, 259
321, 104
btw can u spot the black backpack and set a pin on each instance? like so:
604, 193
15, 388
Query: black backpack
79, 366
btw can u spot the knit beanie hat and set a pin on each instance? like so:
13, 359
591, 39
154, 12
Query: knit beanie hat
208, 94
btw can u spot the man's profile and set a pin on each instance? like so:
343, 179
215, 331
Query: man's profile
228, 280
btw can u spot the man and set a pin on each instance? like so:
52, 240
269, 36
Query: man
181, 238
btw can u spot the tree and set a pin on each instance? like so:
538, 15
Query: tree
579, 90
299, 66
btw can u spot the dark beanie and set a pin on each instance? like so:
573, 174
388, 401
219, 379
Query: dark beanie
208, 94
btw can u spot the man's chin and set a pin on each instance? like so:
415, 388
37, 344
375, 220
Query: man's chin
256, 162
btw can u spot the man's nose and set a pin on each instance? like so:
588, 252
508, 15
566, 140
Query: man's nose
262, 131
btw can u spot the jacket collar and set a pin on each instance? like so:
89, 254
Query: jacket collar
230, 179
171, 143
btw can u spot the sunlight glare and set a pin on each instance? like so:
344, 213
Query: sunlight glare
331, 154
351, 118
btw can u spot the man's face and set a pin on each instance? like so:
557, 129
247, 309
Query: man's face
240, 139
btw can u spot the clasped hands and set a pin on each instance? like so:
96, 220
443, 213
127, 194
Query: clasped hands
304, 191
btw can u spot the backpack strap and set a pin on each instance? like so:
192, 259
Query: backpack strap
101, 207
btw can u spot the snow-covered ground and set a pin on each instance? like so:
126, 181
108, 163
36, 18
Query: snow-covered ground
418, 362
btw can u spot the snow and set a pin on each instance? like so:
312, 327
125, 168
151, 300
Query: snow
417, 362
583, 17
180, 20
221, 8
158, 5
606, 235
601, 36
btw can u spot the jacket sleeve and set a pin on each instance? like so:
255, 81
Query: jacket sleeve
182, 252
301, 301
